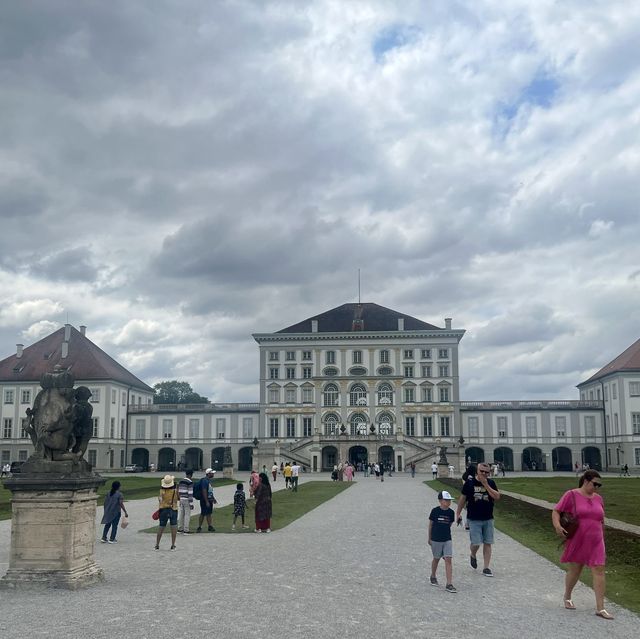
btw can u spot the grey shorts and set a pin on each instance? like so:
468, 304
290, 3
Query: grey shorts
442, 549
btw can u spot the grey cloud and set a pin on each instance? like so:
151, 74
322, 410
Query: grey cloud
74, 264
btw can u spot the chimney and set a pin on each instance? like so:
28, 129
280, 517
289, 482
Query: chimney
314, 326
65, 349
83, 330
19, 348
447, 323
67, 332
401, 323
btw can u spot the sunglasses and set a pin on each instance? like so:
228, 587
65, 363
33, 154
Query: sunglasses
596, 484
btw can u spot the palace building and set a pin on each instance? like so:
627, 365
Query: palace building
360, 382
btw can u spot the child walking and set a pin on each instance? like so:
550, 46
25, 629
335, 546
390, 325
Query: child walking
239, 505
440, 522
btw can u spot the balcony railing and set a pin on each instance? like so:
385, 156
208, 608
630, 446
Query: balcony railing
193, 408
552, 404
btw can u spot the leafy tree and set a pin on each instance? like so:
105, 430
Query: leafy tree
175, 392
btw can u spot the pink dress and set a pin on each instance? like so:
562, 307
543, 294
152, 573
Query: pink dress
587, 545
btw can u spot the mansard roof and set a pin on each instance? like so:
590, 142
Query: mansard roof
366, 317
627, 362
84, 360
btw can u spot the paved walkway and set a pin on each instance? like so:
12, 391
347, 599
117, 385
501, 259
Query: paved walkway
357, 566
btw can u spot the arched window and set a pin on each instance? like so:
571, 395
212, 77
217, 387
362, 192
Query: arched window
330, 395
385, 424
358, 424
385, 394
331, 424
358, 395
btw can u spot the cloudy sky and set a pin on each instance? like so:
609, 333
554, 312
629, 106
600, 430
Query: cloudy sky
178, 175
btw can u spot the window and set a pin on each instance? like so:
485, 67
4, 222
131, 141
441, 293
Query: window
307, 372
306, 355
290, 394
561, 426
385, 394
425, 353
357, 357
408, 371
616, 426
194, 429
607, 424
426, 371
291, 372
330, 357
427, 394
474, 426
7, 428
410, 426
443, 370
331, 425
427, 426
590, 426
274, 395
274, 427
531, 425
634, 389
8, 397
358, 395
93, 457
330, 395
384, 357
290, 356
444, 393
113, 397
141, 429
330, 371
445, 423
96, 423
291, 426
306, 426
95, 395
614, 391
274, 356
409, 394
502, 427
247, 427
637, 456
598, 394
122, 428
26, 397
274, 372
5, 457
307, 395
167, 428
221, 423
23, 428
606, 393
385, 370
443, 353
124, 399
408, 354
112, 428
22, 455
591, 397
385, 424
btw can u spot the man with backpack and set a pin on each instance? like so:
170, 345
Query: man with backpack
203, 491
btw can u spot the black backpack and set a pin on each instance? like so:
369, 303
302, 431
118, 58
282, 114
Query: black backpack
197, 490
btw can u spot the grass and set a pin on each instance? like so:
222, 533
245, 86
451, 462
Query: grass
287, 507
531, 526
132, 488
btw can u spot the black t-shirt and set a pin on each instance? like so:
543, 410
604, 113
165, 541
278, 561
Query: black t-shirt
442, 520
479, 502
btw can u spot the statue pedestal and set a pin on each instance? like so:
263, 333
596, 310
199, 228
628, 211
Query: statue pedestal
53, 532
227, 471
443, 470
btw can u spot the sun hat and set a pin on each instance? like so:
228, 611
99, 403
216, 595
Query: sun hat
444, 495
167, 481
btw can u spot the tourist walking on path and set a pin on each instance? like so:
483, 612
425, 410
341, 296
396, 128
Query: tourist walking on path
204, 491
168, 500
239, 505
185, 496
263, 505
434, 470
295, 475
287, 475
113, 506
348, 472
413, 469
586, 546
479, 494
440, 520
274, 471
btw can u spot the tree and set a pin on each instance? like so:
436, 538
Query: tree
175, 392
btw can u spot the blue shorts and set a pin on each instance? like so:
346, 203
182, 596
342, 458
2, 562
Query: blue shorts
441, 549
480, 531
168, 515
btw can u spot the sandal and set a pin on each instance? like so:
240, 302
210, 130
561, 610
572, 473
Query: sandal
604, 614
569, 605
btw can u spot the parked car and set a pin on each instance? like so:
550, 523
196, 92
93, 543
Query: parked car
16, 466
133, 468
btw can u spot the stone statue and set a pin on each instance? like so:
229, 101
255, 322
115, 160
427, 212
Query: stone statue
227, 460
443, 456
60, 422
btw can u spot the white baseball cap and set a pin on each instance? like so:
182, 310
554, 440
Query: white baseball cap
444, 495
209, 471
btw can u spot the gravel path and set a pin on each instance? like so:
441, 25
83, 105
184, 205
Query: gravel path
357, 566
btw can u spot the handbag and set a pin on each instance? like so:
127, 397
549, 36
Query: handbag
124, 522
156, 515
569, 521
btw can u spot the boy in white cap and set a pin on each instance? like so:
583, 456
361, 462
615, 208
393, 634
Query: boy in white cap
440, 521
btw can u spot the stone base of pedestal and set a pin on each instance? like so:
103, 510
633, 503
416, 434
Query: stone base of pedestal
443, 470
227, 472
53, 533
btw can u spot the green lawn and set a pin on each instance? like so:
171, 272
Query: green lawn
531, 526
620, 494
132, 488
287, 507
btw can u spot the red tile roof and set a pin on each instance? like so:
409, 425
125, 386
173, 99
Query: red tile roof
85, 360
628, 361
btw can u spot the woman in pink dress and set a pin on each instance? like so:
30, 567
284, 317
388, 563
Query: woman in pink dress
348, 472
586, 547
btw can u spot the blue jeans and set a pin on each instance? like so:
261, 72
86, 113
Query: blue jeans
114, 528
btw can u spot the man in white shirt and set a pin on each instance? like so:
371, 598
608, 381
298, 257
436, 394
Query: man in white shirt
295, 471
434, 470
